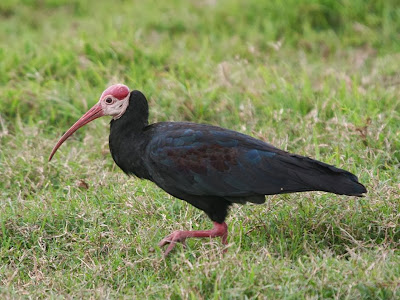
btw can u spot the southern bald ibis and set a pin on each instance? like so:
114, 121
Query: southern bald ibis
208, 166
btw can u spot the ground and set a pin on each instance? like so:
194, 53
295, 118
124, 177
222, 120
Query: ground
317, 78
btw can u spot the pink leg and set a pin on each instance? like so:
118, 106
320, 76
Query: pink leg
219, 229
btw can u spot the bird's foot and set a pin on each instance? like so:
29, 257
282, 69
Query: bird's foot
175, 237
219, 229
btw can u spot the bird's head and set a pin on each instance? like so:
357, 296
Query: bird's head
113, 102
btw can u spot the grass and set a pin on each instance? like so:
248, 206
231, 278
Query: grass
318, 78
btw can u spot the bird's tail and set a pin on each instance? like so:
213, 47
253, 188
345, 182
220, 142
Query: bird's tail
323, 177
343, 183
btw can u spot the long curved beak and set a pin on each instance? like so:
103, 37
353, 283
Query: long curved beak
95, 112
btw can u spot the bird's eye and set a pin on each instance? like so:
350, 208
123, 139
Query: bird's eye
109, 100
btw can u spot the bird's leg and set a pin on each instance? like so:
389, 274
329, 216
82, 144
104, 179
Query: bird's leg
219, 229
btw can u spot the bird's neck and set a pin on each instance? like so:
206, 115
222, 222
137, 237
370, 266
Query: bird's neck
135, 118
127, 142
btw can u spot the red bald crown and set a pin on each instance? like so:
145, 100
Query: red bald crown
119, 91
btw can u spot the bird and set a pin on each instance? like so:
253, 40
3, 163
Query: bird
207, 166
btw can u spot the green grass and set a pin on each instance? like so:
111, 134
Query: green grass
318, 78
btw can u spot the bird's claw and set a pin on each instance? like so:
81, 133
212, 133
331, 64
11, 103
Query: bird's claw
219, 230
172, 239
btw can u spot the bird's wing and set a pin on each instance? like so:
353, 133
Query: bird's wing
211, 161
204, 160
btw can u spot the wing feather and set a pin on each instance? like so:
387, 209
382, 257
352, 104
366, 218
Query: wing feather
211, 161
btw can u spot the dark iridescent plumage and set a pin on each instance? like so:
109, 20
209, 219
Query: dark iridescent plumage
207, 166
211, 167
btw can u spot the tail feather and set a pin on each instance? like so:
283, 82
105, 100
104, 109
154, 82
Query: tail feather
323, 177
